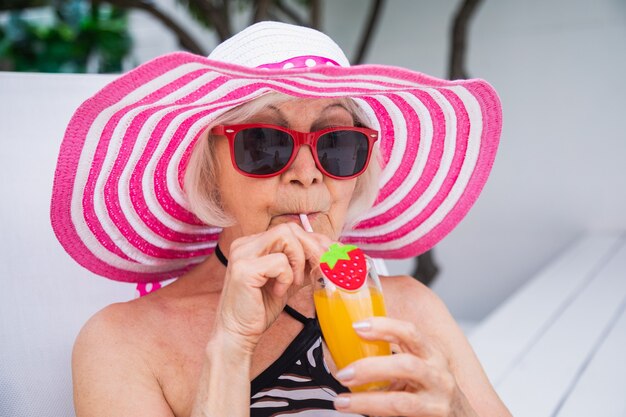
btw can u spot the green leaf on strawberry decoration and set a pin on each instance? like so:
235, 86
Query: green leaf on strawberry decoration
335, 253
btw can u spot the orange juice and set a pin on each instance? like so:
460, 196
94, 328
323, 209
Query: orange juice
336, 311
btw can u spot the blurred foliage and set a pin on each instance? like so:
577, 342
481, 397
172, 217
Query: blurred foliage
93, 35
82, 37
216, 14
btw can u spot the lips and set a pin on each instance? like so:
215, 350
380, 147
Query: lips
297, 215
293, 217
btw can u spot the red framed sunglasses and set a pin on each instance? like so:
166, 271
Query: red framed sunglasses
262, 150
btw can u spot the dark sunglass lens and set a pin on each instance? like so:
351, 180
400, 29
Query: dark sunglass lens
262, 151
343, 153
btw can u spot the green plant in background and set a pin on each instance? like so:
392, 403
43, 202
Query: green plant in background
83, 36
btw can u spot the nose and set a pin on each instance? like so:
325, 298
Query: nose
303, 169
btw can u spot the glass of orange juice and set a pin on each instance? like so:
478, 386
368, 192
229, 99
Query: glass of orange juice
348, 290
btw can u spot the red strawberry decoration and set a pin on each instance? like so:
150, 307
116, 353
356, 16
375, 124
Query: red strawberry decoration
345, 266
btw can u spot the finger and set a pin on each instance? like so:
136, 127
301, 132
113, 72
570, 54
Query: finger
402, 333
402, 367
261, 270
287, 243
392, 403
314, 244
279, 239
284, 278
278, 269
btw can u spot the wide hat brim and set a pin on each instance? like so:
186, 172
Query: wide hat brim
118, 206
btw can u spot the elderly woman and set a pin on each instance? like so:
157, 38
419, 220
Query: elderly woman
199, 168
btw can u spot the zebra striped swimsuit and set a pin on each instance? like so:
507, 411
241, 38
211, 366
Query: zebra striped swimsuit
298, 383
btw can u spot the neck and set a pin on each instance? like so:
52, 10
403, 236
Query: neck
227, 236
303, 301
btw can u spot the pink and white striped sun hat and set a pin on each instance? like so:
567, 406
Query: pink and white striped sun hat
118, 206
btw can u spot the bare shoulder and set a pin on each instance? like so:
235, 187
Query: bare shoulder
407, 297
409, 300
110, 366
112, 336
110, 330
137, 327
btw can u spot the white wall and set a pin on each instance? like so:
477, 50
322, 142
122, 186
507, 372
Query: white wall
559, 68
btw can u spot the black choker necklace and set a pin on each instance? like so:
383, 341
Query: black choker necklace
220, 255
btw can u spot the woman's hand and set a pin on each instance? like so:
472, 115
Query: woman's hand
422, 383
263, 271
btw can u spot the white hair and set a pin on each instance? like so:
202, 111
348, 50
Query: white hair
200, 183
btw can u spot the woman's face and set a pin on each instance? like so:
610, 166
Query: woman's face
257, 204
